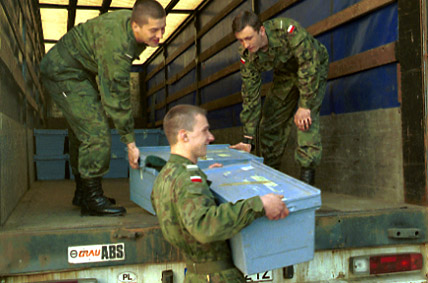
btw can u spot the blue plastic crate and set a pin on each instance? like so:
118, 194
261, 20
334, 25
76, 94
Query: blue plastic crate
143, 137
50, 167
50, 142
118, 167
141, 180
265, 245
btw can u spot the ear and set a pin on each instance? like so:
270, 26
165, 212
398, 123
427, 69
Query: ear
262, 30
182, 135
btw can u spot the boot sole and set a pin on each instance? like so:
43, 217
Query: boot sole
94, 213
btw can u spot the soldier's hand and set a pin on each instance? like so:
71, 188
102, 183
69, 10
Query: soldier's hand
274, 207
242, 146
133, 155
303, 119
215, 165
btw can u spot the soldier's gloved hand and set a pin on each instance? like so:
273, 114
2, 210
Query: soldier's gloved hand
303, 119
274, 207
133, 155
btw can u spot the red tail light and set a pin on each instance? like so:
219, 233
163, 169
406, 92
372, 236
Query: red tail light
380, 264
395, 263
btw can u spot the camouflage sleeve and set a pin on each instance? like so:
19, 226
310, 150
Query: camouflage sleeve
306, 51
208, 222
251, 101
113, 73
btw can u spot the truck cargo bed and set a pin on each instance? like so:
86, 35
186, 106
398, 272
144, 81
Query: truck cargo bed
36, 236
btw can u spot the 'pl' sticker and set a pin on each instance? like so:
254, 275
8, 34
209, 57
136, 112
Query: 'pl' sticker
127, 277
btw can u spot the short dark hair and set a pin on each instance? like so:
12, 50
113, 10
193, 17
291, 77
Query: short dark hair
144, 9
246, 18
180, 117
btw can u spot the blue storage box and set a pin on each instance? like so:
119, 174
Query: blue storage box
143, 137
142, 179
118, 167
265, 245
50, 167
50, 142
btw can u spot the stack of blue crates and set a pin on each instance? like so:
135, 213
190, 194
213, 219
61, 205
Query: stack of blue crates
265, 244
50, 158
142, 179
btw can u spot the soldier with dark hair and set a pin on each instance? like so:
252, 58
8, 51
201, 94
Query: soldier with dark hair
300, 68
187, 211
104, 47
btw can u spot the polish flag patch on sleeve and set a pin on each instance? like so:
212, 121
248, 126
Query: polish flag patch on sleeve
196, 179
291, 28
242, 60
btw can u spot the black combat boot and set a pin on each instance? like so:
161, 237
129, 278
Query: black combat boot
78, 193
307, 175
95, 203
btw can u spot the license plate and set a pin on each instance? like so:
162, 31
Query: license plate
260, 277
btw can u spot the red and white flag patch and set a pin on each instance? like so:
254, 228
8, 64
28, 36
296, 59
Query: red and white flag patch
196, 179
291, 29
242, 60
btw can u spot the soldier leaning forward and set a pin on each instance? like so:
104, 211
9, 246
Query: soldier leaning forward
103, 47
300, 68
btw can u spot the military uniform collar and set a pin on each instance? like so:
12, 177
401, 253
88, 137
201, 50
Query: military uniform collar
269, 27
179, 159
139, 46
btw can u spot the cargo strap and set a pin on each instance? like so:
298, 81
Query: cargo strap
209, 267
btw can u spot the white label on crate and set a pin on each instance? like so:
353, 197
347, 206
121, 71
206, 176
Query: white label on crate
264, 180
127, 277
246, 168
223, 155
96, 253
260, 277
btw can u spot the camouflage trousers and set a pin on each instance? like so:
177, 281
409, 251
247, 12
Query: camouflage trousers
227, 276
278, 119
89, 133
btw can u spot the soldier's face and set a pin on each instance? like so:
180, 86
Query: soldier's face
250, 38
150, 33
200, 137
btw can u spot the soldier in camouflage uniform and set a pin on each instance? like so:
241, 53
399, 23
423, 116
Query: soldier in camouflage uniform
103, 47
187, 211
300, 68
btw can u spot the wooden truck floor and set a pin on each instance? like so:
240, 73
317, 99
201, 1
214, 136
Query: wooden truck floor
45, 223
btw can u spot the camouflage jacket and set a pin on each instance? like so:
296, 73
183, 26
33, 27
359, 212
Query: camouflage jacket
103, 46
293, 54
188, 214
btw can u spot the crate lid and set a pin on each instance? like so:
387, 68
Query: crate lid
245, 180
215, 153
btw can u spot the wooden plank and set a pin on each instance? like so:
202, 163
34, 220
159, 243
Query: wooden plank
155, 70
181, 93
21, 45
276, 8
180, 50
182, 73
223, 13
369, 59
220, 74
351, 13
218, 46
155, 88
6, 55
